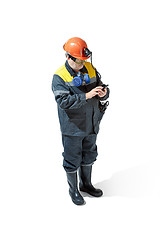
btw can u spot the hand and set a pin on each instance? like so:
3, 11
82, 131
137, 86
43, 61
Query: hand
102, 93
94, 92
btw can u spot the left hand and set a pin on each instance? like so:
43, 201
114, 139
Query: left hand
102, 93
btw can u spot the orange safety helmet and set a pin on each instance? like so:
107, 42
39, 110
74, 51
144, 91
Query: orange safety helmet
75, 47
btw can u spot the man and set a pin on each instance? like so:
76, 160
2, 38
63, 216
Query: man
81, 99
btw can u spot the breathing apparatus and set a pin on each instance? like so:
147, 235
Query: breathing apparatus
80, 79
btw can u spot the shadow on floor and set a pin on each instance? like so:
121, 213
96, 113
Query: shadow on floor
132, 182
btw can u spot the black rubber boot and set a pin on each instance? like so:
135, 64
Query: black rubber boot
73, 190
85, 185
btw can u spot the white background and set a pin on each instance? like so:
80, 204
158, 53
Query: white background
124, 38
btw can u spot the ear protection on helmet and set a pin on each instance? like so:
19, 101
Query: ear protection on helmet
78, 80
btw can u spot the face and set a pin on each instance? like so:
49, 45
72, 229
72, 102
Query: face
77, 65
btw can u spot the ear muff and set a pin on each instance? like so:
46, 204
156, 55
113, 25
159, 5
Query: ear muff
78, 80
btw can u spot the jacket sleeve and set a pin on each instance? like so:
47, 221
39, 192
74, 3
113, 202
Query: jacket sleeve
64, 97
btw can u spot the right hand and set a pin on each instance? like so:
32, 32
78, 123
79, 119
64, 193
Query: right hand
93, 92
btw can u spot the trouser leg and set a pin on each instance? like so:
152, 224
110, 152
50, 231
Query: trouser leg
72, 155
89, 150
78, 151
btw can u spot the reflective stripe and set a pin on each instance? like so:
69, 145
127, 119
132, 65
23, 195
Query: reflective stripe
60, 92
69, 84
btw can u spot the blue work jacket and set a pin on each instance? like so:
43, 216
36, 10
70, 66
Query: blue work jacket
77, 116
